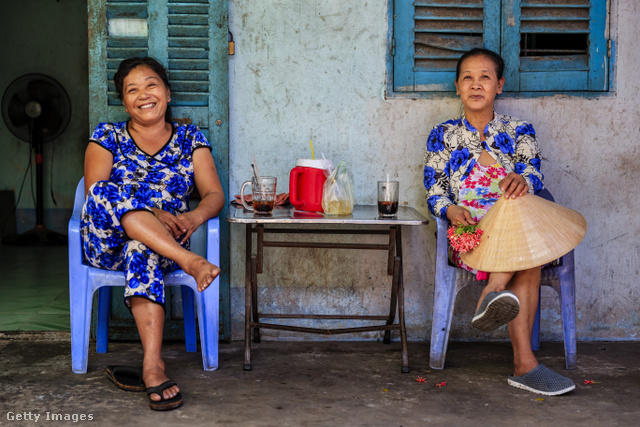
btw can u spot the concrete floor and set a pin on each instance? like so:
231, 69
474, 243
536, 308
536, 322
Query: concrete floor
318, 384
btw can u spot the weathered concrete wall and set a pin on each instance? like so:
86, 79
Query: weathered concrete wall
47, 37
316, 69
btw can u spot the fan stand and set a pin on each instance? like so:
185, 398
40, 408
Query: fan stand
39, 235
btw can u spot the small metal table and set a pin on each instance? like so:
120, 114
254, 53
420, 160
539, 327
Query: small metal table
361, 216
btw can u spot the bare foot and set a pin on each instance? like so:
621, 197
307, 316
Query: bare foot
203, 271
154, 376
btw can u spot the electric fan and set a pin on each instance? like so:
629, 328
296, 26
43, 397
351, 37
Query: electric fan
36, 109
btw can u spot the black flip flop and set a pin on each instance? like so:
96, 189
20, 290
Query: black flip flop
127, 378
164, 404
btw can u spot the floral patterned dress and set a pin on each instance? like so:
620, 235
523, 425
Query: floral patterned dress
478, 193
138, 181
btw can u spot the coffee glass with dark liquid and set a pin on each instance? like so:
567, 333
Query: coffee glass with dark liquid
388, 192
263, 194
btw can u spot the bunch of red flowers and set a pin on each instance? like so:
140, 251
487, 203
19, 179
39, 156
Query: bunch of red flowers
464, 238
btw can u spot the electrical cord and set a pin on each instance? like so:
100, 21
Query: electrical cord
15, 207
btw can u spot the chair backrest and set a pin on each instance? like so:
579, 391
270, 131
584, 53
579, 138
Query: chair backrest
79, 199
545, 194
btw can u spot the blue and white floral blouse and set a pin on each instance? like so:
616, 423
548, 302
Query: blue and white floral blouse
453, 148
163, 179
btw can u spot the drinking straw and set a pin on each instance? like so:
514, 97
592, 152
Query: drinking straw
254, 166
312, 155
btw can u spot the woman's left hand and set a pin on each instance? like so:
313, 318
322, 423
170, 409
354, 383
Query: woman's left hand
188, 222
513, 185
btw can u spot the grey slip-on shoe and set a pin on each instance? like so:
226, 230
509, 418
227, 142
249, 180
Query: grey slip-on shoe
496, 309
542, 380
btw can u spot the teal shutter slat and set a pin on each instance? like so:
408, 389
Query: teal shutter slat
158, 22
97, 23
510, 44
492, 25
598, 47
403, 75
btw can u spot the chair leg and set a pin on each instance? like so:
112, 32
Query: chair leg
443, 302
535, 333
208, 321
104, 311
189, 316
80, 304
568, 304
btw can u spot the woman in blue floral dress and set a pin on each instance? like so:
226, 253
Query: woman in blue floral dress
139, 175
469, 163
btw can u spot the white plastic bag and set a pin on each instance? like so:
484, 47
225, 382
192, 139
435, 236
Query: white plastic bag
338, 196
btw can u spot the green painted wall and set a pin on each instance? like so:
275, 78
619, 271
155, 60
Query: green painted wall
48, 37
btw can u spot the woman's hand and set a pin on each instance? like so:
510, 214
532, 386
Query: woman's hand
513, 185
459, 216
180, 226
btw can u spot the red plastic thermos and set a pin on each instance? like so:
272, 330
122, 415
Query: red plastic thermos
306, 182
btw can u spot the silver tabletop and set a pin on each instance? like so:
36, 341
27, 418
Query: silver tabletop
362, 214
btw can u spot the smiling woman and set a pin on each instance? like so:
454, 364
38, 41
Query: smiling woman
139, 176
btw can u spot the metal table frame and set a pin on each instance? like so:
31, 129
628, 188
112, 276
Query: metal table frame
362, 215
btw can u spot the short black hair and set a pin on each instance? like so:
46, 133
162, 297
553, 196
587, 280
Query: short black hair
125, 67
478, 51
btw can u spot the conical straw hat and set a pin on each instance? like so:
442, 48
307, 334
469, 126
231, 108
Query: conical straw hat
523, 233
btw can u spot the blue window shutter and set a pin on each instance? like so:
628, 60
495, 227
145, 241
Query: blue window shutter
430, 36
580, 71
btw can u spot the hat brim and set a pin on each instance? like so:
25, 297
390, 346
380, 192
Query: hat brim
523, 233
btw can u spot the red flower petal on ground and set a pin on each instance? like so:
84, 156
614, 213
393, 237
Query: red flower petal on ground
589, 382
421, 380
441, 384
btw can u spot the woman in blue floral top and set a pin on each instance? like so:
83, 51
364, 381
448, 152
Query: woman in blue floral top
469, 163
139, 175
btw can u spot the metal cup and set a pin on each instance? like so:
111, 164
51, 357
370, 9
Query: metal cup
263, 191
388, 192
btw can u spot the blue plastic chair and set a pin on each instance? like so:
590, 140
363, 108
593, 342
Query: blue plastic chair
84, 280
449, 280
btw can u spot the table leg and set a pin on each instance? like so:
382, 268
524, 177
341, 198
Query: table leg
254, 297
403, 330
392, 304
247, 300
394, 284
247, 329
